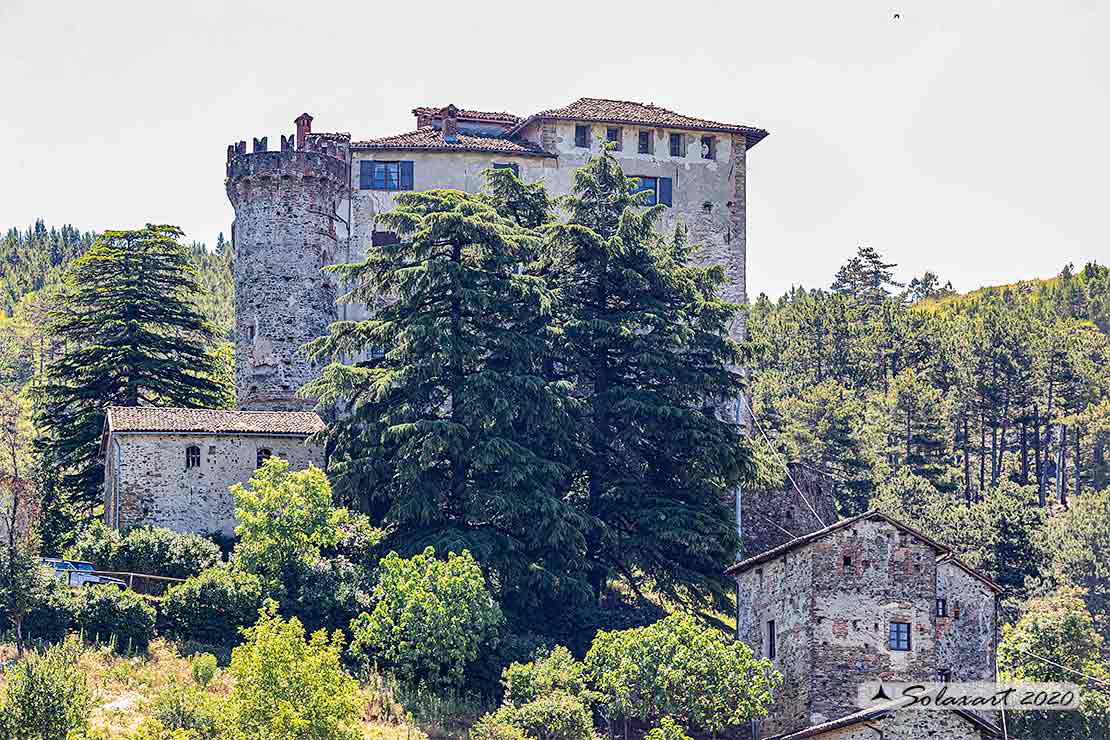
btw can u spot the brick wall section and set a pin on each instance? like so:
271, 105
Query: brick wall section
146, 474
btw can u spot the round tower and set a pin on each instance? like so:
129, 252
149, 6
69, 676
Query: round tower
285, 231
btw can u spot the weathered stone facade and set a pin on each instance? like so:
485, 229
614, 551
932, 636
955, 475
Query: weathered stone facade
902, 725
299, 209
177, 475
832, 597
773, 517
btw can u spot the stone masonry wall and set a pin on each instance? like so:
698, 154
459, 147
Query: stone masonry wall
908, 725
966, 637
148, 478
891, 577
774, 517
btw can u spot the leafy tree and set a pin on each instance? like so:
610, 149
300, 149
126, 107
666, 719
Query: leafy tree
452, 436
133, 335
284, 517
122, 617
643, 338
290, 688
44, 696
681, 669
1055, 640
1076, 546
213, 606
24, 583
668, 729
553, 671
430, 618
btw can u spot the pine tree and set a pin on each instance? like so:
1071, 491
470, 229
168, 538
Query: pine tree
643, 338
450, 435
866, 277
133, 336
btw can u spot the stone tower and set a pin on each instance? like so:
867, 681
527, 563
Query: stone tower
287, 228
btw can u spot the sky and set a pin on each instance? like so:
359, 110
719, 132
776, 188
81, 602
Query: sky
970, 138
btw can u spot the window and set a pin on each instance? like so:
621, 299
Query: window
847, 562
658, 189
383, 238
678, 145
250, 332
507, 166
900, 636
582, 137
944, 675
211, 450
645, 142
708, 147
385, 175
264, 454
942, 608
771, 639
192, 456
613, 135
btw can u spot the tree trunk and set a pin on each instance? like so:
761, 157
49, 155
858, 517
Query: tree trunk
1024, 450
1078, 467
967, 462
1037, 456
1061, 468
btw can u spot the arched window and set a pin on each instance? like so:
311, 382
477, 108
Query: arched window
192, 456
264, 454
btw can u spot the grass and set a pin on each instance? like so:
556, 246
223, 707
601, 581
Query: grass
123, 686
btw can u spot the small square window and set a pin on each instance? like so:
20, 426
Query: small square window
900, 636
678, 145
263, 455
613, 135
708, 147
847, 562
944, 675
942, 608
645, 142
582, 137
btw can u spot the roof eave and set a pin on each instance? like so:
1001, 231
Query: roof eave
751, 134
363, 146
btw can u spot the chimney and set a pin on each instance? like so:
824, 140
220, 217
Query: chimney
304, 128
451, 124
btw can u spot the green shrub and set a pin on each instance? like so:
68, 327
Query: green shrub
44, 696
557, 716
204, 668
325, 593
211, 607
154, 550
668, 729
431, 617
496, 726
553, 672
105, 612
52, 616
188, 709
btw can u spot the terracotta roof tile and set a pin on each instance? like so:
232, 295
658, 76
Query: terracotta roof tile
468, 115
432, 139
157, 419
603, 110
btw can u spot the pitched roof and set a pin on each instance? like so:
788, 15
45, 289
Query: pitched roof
210, 421
805, 539
431, 139
603, 110
468, 115
879, 712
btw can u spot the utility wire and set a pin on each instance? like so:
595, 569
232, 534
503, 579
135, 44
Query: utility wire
744, 400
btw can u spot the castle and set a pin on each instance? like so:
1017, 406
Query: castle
313, 202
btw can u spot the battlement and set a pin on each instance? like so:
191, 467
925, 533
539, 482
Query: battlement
335, 146
306, 164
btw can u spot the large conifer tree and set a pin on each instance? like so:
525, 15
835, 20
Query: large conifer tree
643, 337
448, 433
133, 335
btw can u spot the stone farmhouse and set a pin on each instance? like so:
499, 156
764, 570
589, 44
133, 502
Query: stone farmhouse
173, 467
863, 600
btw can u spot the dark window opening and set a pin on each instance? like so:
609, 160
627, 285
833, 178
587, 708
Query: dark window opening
211, 450
678, 145
264, 454
613, 135
944, 675
942, 608
385, 175
582, 137
192, 456
771, 639
250, 332
507, 166
900, 636
383, 238
847, 562
658, 190
790, 515
645, 142
708, 147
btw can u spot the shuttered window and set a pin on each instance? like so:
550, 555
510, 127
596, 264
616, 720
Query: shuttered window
658, 189
374, 175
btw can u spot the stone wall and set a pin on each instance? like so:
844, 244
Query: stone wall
907, 725
773, 517
966, 636
148, 483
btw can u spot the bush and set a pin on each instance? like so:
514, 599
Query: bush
45, 696
556, 716
287, 688
105, 612
52, 616
204, 668
668, 729
211, 607
553, 672
153, 550
325, 593
496, 726
431, 618
188, 709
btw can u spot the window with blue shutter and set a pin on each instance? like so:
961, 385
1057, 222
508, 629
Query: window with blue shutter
649, 185
665, 191
406, 175
385, 175
364, 168
507, 166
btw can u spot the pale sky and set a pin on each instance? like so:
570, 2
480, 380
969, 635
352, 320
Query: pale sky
969, 137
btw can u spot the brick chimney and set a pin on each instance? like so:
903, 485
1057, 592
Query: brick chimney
451, 124
304, 128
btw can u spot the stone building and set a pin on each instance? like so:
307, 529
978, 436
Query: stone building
863, 600
173, 467
314, 202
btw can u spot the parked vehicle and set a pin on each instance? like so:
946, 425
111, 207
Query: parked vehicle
79, 573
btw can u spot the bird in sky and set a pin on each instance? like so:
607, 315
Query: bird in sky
897, 16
